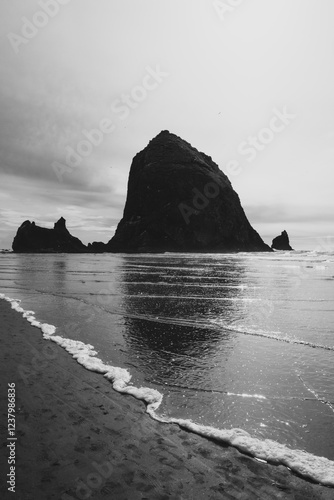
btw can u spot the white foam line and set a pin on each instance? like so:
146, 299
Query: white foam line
316, 468
272, 337
315, 394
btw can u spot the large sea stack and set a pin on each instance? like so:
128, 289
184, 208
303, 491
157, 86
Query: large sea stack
31, 238
179, 201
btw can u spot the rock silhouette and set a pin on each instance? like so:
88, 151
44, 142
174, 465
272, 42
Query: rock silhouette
32, 238
179, 201
281, 242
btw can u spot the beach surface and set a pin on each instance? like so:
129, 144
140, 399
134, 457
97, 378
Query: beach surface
77, 438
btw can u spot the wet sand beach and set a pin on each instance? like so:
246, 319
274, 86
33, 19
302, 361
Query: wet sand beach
77, 438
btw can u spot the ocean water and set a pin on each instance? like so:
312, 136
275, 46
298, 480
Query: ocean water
239, 347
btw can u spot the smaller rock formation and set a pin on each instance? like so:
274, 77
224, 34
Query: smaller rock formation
97, 247
281, 242
31, 238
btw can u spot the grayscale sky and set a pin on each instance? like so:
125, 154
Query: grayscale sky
85, 84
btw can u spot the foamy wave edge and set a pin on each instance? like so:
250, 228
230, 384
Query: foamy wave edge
318, 469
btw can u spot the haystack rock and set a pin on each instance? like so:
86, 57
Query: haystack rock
31, 238
179, 201
281, 242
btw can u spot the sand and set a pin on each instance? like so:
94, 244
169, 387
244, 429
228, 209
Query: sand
77, 438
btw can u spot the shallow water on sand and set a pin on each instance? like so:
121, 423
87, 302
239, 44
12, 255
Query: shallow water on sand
242, 340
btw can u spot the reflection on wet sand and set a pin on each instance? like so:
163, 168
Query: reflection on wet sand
165, 345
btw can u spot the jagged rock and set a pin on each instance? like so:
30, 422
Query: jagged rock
97, 247
281, 242
178, 200
32, 238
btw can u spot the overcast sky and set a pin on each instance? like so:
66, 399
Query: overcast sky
85, 84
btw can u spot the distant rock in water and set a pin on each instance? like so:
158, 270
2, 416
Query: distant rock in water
179, 201
97, 247
32, 238
281, 242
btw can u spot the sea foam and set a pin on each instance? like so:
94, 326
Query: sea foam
318, 469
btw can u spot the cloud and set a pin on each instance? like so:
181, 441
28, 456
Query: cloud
65, 78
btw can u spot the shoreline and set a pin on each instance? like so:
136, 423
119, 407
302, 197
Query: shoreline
79, 438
